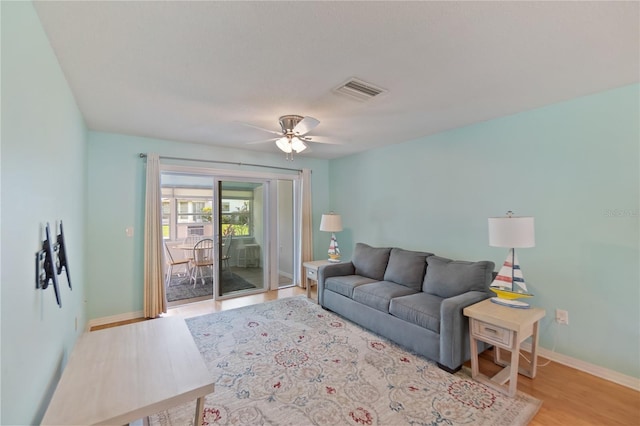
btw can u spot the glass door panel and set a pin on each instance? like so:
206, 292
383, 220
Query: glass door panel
286, 233
187, 218
241, 243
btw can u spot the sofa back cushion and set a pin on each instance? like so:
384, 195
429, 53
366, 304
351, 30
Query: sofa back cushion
407, 267
448, 278
370, 262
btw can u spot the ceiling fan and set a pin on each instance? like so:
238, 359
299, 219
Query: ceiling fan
293, 135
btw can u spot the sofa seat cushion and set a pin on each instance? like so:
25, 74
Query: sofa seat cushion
421, 309
407, 267
370, 262
448, 278
378, 295
344, 285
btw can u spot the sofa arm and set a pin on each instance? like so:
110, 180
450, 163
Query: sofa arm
332, 270
454, 328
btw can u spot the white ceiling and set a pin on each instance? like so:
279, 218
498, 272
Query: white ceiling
194, 71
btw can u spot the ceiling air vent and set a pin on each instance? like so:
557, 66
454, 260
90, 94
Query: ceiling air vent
359, 90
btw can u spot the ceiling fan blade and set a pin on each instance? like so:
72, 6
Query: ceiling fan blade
260, 128
262, 141
305, 125
321, 139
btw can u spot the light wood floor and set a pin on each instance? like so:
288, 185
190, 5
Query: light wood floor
570, 397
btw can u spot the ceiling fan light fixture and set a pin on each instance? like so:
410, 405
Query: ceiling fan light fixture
289, 122
293, 138
297, 145
284, 144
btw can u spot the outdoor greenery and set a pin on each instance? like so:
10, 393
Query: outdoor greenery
236, 222
206, 214
238, 230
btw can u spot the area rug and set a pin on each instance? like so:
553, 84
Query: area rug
182, 288
289, 362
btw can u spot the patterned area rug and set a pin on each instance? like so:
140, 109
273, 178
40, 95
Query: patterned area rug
182, 287
289, 362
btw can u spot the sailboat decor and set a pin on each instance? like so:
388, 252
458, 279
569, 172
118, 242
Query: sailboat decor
334, 250
332, 223
509, 284
511, 232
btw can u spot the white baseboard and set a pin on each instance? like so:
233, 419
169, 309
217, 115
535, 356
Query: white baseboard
286, 274
114, 318
595, 370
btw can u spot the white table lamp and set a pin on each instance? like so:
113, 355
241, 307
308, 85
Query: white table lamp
511, 232
332, 223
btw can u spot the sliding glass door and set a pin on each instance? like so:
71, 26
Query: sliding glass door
250, 220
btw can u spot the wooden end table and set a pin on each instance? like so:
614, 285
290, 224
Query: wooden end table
505, 328
311, 273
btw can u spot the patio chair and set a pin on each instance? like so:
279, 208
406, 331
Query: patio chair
202, 260
189, 243
226, 249
172, 262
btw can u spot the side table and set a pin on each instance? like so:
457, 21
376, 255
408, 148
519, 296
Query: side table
311, 273
505, 328
248, 255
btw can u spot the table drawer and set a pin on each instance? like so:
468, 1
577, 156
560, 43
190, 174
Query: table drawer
491, 333
312, 274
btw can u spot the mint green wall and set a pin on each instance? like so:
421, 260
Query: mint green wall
116, 181
573, 166
43, 180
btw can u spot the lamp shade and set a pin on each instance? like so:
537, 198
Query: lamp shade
511, 232
331, 222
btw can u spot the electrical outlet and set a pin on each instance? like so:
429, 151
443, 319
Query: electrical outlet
562, 317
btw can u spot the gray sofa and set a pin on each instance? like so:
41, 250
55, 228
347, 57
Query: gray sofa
412, 298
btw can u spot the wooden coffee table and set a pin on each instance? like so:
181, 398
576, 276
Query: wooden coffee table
125, 373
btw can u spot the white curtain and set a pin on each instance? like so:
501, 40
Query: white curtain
155, 299
306, 246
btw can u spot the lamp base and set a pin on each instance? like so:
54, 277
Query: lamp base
333, 260
510, 303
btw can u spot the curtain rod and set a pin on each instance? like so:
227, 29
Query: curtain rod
143, 155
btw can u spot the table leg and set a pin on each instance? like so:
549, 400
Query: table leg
497, 359
513, 372
199, 419
474, 357
533, 364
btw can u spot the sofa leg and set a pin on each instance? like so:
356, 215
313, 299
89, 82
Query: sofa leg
447, 369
